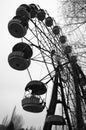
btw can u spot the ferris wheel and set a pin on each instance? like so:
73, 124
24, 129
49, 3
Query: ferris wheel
44, 45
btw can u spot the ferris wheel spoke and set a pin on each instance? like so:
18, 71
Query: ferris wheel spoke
48, 75
39, 41
46, 36
47, 44
39, 33
36, 45
50, 36
47, 78
41, 61
46, 66
29, 74
44, 44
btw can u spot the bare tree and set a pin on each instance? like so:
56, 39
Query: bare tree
74, 12
15, 123
17, 120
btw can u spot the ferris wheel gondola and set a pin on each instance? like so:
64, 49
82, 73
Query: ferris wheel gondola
29, 11
32, 102
37, 87
18, 26
49, 21
20, 57
55, 120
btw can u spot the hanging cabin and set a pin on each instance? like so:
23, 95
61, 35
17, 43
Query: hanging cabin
20, 58
32, 102
41, 15
18, 26
48, 21
55, 120
29, 11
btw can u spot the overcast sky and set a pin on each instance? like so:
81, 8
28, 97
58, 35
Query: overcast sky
12, 82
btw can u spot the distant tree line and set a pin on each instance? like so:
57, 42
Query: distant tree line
16, 123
